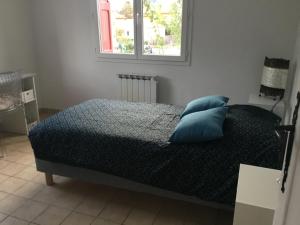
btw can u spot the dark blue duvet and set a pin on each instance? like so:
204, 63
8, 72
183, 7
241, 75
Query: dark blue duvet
130, 140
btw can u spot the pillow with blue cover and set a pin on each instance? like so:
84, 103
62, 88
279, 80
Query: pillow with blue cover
200, 126
204, 103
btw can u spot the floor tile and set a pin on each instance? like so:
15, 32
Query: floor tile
2, 217
171, 213
140, 217
67, 185
13, 221
30, 210
3, 177
29, 173
67, 200
123, 196
60, 198
78, 219
11, 185
200, 215
147, 202
224, 218
14, 156
26, 159
97, 191
116, 211
52, 216
93, 205
11, 203
12, 169
29, 190
168, 220
47, 195
14, 138
23, 146
100, 221
3, 164
27, 148
39, 178
3, 195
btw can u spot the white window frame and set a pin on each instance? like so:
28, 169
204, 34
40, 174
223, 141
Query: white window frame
138, 56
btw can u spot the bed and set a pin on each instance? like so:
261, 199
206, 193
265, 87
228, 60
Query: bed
126, 145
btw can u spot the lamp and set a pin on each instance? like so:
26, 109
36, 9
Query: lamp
274, 78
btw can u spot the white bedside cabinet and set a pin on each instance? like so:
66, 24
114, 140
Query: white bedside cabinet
267, 103
257, 196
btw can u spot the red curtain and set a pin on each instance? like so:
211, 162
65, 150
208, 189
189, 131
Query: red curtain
105, 23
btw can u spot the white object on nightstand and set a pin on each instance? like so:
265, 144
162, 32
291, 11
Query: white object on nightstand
267, 103
257, 196
22, 121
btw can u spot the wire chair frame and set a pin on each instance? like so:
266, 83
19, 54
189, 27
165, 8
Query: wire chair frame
10, 97
10, 91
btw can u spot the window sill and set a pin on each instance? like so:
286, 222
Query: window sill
143, 61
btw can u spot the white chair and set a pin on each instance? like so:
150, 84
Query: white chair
10, 97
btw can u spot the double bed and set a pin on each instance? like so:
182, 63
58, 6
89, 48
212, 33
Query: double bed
126, 145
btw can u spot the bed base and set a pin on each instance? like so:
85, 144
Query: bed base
50, 169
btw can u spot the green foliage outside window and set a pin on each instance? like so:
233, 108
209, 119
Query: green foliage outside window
172, 25
172, 22
127, 10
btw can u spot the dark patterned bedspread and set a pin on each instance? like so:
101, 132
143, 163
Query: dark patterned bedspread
130, 140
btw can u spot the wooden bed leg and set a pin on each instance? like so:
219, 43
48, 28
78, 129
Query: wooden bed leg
49, 179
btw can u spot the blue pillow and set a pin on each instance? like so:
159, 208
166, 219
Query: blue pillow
200, 126
204, 103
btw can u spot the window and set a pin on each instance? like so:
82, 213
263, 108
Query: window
143, 29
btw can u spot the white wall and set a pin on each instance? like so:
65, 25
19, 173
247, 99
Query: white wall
288, 214
230, 40
16, 42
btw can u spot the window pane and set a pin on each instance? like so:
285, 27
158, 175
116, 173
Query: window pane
116, 26
162, 27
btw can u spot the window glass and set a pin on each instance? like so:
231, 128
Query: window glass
162, 27
143, 29
116, 26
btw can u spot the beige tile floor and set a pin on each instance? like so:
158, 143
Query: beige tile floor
25, 199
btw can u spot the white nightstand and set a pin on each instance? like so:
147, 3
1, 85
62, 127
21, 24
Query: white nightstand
267, 103
257, 196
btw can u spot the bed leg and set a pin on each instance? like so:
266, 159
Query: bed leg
49, 179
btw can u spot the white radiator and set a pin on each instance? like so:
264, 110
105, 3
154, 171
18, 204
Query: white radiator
138, 88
